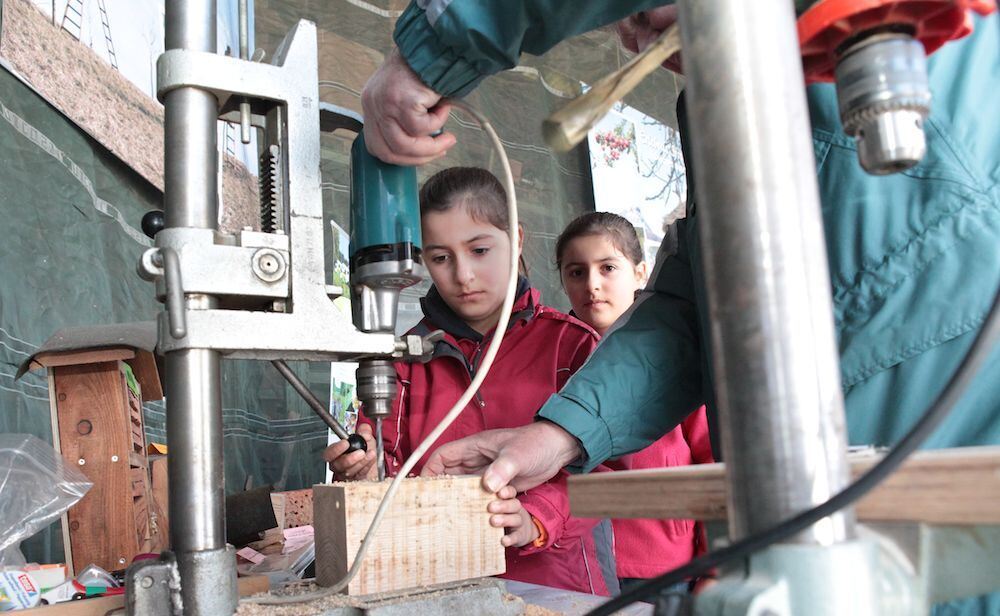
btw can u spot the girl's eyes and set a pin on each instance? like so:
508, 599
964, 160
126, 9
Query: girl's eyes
444, 257
607, 268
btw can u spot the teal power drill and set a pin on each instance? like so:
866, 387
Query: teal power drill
384, 260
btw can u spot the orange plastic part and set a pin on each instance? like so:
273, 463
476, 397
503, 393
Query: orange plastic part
829, 23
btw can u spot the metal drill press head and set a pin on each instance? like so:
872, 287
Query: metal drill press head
385, 238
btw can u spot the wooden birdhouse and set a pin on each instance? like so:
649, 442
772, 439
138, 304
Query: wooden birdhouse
98, 378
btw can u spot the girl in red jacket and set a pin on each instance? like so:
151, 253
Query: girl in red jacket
601, 268
467, 251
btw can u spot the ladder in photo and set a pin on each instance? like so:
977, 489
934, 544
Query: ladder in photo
72, 23
106, 27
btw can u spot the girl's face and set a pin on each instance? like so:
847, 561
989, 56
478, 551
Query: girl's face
600, 281
469, 262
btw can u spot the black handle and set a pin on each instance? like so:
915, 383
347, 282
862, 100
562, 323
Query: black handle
153, 222
356, 442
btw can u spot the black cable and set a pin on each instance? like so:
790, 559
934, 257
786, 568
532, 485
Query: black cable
928, 422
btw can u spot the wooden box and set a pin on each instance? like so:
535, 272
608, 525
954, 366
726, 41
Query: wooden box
436, 531
97, 426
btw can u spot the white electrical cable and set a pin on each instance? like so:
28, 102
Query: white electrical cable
491, 352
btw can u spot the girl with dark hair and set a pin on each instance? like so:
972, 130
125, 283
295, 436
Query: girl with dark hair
601, 268
467, 251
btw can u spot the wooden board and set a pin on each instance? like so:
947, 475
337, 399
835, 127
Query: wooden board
144, 368
950, 486
90, 356
160, 490
436, 531
294, 507
102, 527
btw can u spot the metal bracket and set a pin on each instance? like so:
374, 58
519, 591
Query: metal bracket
153, 588
309, 326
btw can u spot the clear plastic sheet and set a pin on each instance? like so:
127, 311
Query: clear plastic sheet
36, 487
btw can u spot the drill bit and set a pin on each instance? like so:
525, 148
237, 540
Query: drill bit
379, 450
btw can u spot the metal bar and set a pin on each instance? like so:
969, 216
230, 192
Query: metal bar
194, 431
193, 382
314, 403
774, 350
244, 55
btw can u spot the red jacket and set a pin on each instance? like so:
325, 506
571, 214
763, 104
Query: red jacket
648, 548
540, 351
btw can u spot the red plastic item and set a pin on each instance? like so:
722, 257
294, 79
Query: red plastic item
828, 23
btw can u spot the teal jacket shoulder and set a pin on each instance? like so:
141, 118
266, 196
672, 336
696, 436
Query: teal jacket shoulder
454, 44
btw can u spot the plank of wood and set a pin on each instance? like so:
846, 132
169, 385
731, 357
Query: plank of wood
948, 486
436, 531
94, 428
92, 356
160, 488
54, 423
144, 368
100, 606
297, 508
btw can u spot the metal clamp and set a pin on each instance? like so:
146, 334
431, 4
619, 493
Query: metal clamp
153, 587
164, 263
413, 348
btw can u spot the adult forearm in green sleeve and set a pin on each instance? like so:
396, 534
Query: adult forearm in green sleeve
642, 380
454, 44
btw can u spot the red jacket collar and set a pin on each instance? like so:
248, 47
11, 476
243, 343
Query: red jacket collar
438, 315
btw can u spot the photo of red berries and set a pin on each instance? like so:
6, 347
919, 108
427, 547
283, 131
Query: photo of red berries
618, 144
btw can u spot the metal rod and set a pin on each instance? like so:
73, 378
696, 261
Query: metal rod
379, 450
244, 16
774, 349
193, 383
194, 431
190, 158
314, 403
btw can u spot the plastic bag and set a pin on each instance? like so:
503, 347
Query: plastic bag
36, 487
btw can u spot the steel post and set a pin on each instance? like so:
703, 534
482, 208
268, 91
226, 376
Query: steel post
194, 402
774, 349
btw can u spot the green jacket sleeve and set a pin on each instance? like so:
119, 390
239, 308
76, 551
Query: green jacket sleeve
454, 44
643, 379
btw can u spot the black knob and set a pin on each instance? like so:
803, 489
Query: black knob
356, 442
153, 222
